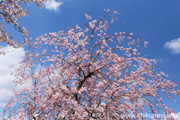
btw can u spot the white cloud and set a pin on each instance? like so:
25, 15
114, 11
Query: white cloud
173, 45
52, 5
10, 58
176, 116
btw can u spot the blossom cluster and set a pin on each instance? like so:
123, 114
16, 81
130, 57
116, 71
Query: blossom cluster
10, 11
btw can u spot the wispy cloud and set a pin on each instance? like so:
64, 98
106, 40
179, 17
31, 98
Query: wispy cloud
176, 116
173, 46
6, 80
158, 60
53, 5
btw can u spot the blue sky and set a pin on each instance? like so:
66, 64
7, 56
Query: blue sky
157, 21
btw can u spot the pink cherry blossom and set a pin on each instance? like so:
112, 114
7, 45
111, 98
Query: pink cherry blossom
87, 73
11, 10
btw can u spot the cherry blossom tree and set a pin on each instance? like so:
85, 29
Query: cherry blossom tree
88, 73
10, 11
